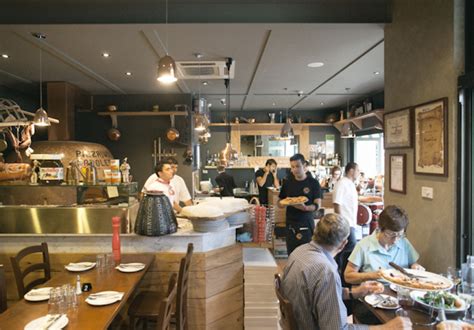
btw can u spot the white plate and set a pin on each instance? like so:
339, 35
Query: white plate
429, 277
417, 295
39, 323
106, 300
375, 301
131, 267
80, 266
40, 294
393, 287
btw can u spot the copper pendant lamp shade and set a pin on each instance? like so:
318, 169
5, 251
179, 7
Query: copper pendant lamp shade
167, 70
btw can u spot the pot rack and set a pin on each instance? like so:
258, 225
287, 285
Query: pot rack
11, 115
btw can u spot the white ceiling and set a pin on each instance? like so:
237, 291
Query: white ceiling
270, 60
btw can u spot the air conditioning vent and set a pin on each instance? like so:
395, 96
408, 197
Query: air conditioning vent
204, 70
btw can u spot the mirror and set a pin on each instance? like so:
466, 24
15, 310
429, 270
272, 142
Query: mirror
268, 145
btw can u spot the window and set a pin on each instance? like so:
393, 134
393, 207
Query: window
369, 154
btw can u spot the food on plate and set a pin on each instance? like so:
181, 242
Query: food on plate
294, 200
436, 299
454, 325
415, 283
389, 303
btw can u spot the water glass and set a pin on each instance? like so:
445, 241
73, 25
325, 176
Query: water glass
404, 298
57, 303
72, 300
100, 263
110, 262
455, 275
401, 312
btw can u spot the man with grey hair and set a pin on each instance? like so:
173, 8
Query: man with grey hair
313, 286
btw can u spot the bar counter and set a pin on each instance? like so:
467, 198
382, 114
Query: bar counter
215, 298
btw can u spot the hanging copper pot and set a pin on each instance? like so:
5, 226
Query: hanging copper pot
172, 134
113, 134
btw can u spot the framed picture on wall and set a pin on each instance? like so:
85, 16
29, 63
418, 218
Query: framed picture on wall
431, 138
397, 129
398, 173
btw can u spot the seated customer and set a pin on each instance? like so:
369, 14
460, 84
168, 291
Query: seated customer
312, 283
387, 244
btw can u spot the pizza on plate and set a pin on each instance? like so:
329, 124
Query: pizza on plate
294, 200
415, 283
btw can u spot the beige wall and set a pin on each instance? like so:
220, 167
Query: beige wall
423, 50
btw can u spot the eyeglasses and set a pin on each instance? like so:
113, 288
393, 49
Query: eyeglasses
392, 235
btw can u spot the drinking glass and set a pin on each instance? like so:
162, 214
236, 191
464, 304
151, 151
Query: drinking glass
455, 275
469, 312
72, 300
109, 259
404, 299
100, 263
56, 301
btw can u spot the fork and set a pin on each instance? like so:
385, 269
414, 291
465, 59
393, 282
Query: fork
51, 320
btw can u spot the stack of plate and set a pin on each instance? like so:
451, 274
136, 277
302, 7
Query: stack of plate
104, 298
131, 267
38, 294
238, 218
80, 266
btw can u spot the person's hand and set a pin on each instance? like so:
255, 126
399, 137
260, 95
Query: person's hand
398, 323
417, 267
367, 288
266, 169
301, 207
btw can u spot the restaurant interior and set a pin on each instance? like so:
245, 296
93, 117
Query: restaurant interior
87, 118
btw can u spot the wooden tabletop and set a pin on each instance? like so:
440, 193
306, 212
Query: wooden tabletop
418, 314
85, 316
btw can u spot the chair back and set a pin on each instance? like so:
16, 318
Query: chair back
3, 290
182, 299
287, 320
166, 305
21, 274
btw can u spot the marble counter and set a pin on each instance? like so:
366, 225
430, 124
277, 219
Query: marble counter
130, 243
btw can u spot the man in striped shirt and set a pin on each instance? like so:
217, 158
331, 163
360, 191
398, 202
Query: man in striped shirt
313, 286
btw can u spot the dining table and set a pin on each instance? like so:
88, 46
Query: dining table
84, 316
419, 315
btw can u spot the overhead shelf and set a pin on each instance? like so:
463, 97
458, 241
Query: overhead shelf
269, 124
114, 114
358, 121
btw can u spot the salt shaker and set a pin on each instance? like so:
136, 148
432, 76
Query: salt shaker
78, 285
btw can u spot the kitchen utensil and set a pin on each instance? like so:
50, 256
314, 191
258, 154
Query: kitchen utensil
172, 134
403, 271
113, 134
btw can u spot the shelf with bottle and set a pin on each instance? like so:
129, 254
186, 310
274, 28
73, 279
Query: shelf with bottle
357, 120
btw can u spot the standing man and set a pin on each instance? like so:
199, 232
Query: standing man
266, 177
299, 218
225, 182
160, 181
312, 284
182, 192
345, 201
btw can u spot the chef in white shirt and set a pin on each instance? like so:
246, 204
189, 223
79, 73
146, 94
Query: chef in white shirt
160, 181
182, 192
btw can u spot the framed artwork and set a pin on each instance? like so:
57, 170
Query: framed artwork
431, 138
397, 129
398, 173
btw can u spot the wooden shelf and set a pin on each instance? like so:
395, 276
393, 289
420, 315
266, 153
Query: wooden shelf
269, 124
357, 121
143, 113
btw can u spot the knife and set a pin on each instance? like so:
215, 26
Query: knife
51, 320
404, 272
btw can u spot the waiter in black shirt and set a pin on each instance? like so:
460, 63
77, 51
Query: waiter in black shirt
299, 218
266, 177
225, 182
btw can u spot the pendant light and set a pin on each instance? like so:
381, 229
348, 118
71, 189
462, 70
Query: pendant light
41, 116
166, 65
228, 154
287, 130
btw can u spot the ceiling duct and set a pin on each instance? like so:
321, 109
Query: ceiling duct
204, 70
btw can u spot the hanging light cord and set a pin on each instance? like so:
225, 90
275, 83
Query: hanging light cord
227, 96
41, 78
166, 25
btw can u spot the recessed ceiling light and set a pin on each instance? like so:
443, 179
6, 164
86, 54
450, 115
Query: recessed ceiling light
322, 103
205, 83
5, 56
128, 73
376, 72
105, 55
315, 64
209, 105
274, 104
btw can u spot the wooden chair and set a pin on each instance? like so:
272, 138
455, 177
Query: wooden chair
3, 290
145, 304
21, 274
166, 305
287, 321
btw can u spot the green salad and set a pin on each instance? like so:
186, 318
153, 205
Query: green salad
436, 299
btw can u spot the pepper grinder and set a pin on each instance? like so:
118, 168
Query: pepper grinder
78, 285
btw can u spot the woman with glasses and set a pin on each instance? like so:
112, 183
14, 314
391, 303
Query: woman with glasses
387, 244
